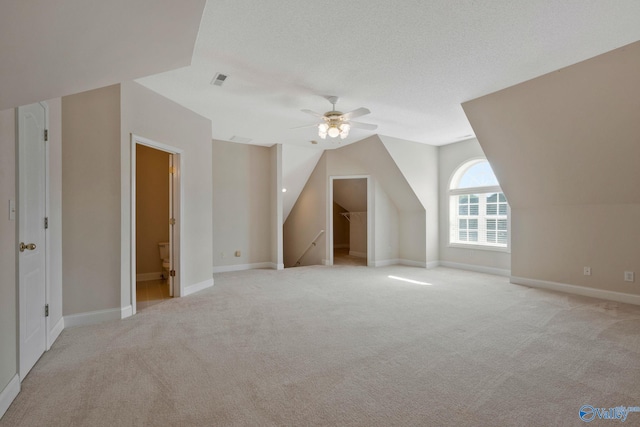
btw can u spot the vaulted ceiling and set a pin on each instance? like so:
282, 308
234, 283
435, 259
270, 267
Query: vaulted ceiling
412, 63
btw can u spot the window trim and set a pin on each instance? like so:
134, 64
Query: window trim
479, 246
479, 190
455, 178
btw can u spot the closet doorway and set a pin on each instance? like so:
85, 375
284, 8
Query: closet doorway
349, 228
155, 223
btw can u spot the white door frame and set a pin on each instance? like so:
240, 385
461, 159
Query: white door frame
177, 202
47, 291
370, 229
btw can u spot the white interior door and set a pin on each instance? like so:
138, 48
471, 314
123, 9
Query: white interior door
32, 121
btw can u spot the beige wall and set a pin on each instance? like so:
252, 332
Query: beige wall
410, 224
357, 234
297, 163
242, 193
565, 148
391, 197
91, 200
96, 190
8, 299
83, 45
386, 226
149, 115
450, 158
277, 205
152, 207
604, 237
351, 193
341, 227
306, 219
419, 166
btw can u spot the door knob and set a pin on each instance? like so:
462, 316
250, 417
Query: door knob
28, 246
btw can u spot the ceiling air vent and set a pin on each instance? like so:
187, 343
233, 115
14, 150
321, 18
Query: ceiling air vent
219, 79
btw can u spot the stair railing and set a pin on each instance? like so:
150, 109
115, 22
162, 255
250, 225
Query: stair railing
311, 245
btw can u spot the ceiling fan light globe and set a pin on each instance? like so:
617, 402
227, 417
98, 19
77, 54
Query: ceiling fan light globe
323, 127
322, 135
333, 131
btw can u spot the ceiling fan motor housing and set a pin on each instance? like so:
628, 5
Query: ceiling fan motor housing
336, 123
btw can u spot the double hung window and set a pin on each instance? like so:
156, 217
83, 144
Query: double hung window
479, 212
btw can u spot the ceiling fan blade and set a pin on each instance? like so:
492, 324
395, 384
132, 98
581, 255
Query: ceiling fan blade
313, 113
305, 126
367, 126
355, 113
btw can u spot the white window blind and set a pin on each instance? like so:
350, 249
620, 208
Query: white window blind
478, 215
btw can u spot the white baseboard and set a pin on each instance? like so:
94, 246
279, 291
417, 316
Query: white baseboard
476, 268
385, 262
433, 264
242, 267
327, 262
412, 263
197, 287
399, 261
55, 332
578, 290
92, 317
8, 394
143, 277
358, 254
126, 312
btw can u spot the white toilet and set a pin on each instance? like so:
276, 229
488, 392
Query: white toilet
164, 256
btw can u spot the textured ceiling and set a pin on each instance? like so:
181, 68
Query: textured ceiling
411, 62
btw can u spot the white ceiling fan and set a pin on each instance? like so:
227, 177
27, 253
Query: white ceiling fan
335, 123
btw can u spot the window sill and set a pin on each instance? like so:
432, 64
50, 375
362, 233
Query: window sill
480, 247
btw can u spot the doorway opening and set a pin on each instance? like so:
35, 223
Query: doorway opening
349, 229
155, 223
153, 251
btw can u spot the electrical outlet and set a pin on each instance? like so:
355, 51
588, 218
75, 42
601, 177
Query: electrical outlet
238, 253
222, 255
629, 276
587, 271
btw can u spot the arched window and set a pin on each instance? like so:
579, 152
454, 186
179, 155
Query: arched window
479, 212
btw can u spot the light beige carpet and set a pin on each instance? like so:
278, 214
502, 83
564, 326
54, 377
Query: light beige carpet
341, 257
343, 346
